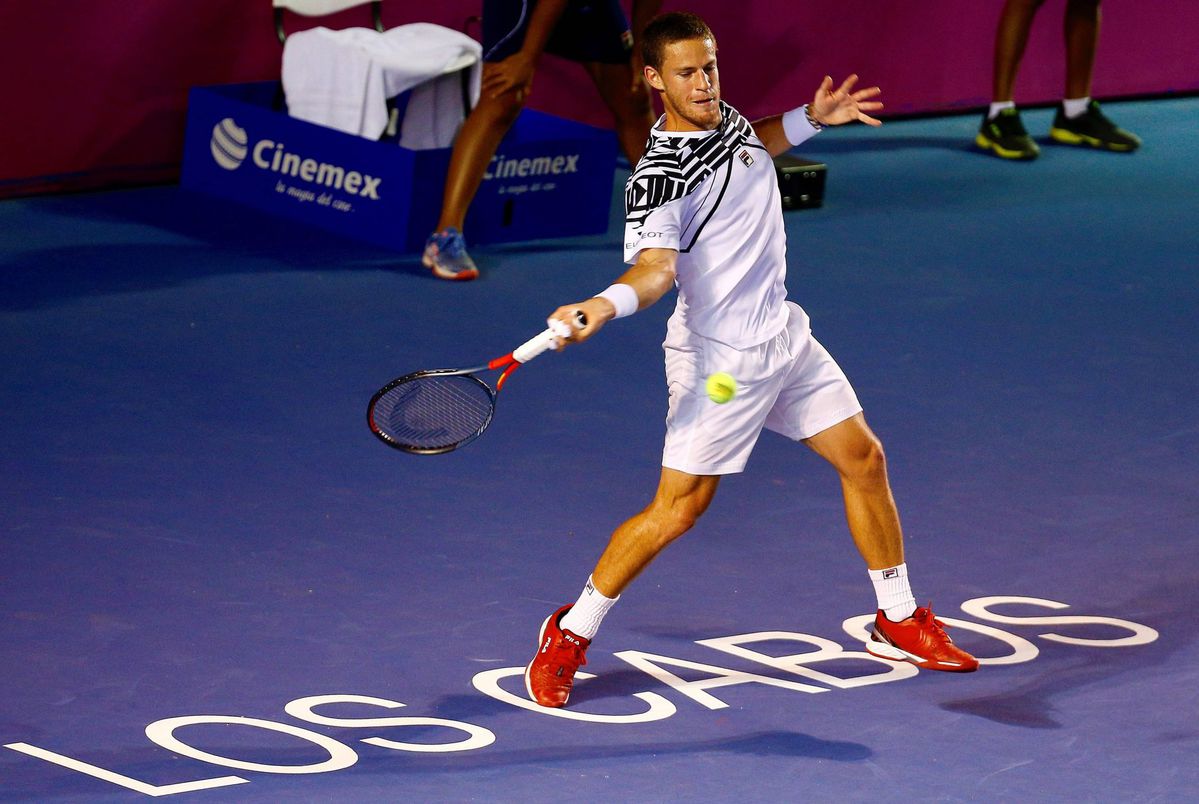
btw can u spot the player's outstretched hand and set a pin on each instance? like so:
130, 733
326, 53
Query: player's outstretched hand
575, 323
843, 105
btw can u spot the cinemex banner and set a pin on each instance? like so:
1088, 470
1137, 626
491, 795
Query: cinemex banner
550, 177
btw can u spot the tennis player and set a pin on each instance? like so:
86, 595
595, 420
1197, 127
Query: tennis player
704, 213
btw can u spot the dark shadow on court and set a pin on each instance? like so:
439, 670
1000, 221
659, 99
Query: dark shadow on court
1030, 705
612, 692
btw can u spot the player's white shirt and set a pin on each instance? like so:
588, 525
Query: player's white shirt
728, 229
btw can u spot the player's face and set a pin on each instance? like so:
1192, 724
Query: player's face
690, 85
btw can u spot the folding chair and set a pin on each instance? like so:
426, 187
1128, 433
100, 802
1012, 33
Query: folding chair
322, 8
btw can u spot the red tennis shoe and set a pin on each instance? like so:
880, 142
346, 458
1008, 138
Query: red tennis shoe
921, 640
550, 677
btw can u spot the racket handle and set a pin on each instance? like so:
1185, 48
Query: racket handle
543, 341
534, 346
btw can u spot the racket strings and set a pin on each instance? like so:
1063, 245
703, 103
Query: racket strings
434, 412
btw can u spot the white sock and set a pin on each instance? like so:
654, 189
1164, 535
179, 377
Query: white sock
585, 616
1073, 107
894, 594
999, 106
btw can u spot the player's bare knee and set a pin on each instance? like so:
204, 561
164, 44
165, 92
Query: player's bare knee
867, 465
672, 521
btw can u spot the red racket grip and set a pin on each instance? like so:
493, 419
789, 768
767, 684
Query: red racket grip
500, 362
499, 384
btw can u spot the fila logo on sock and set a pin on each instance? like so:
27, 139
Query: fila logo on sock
890, 573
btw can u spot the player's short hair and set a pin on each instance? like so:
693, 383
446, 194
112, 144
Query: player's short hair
666, 29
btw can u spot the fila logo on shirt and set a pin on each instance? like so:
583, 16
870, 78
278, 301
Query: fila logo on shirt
230, 145
746, 158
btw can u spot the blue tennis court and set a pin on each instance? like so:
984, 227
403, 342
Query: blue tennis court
218, 585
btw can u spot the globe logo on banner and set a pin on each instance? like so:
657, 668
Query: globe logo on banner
228, 144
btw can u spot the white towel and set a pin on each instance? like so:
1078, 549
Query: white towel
342, 79
325, 81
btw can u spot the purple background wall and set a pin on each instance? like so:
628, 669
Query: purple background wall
95, 94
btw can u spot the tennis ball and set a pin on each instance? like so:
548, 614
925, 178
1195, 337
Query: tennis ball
721, 387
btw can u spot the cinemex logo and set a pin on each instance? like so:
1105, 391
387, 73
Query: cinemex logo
502, 167
230, 145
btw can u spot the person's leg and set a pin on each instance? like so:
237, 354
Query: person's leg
680, 500
565, 635
857, 455
1002, 132
919, 638
1079, 121
1011, 37
1081, 29
629, 102
445, 251
474, 147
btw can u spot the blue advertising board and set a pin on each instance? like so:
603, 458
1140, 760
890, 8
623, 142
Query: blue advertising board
550, 177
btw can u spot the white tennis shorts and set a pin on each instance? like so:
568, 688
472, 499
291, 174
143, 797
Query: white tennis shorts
789, 384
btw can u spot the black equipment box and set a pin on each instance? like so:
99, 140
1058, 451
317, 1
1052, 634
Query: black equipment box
801, 181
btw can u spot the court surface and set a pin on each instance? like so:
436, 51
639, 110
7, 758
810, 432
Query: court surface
200, 534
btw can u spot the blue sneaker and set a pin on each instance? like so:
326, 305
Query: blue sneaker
445, 255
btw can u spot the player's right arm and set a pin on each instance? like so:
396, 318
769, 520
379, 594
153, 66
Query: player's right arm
650, 278
654, 209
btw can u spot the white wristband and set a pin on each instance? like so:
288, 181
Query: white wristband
623, 298
798, 125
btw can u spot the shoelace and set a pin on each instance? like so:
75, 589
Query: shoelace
925, 616
577, 655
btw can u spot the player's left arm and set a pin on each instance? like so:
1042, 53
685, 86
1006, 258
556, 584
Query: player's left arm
830, 107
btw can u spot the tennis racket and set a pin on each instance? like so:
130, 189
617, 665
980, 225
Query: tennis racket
439, 410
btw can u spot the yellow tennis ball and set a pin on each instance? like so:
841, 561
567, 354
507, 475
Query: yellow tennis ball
721, 387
